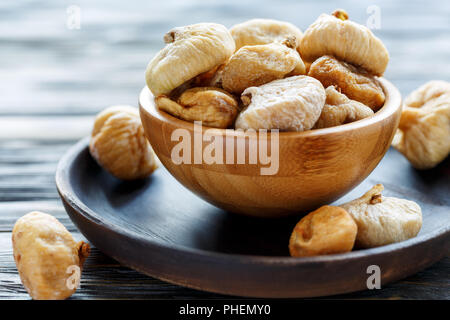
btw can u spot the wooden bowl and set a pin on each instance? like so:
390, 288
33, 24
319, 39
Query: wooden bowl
315, 167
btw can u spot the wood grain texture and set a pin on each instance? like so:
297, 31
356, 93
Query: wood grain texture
55, 79
344, 155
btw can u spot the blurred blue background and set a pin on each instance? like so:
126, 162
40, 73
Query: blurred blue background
49, 70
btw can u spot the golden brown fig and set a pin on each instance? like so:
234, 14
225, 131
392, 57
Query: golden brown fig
47, 257
327, 230
252, 66
355, 83
339, 110
119, 145
212, 106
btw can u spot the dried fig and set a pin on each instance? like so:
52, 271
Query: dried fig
119, 145
339, 110
354, 82
290, 104
327, 230
213, 106
346, 40
383, 220
263, 31
424, 129
252, 66
190, 51
45, 254
427, 92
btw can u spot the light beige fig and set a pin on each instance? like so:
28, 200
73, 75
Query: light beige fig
263, 31
212, 106
383, 220
354, 82
339, 109
346, 40
426, 93
190, 51
252, 66
119, 145
423, 135
290, 104
47, 257
327, 230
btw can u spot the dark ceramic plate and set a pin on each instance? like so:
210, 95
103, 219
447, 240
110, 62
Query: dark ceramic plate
158, 227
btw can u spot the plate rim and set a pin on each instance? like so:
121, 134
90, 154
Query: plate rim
392, 105
68, 195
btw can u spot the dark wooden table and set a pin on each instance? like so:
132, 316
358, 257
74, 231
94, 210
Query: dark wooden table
54, 79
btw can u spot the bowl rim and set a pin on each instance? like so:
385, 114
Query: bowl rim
393, 103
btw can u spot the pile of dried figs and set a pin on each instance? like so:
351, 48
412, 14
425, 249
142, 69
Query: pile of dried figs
267, 74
